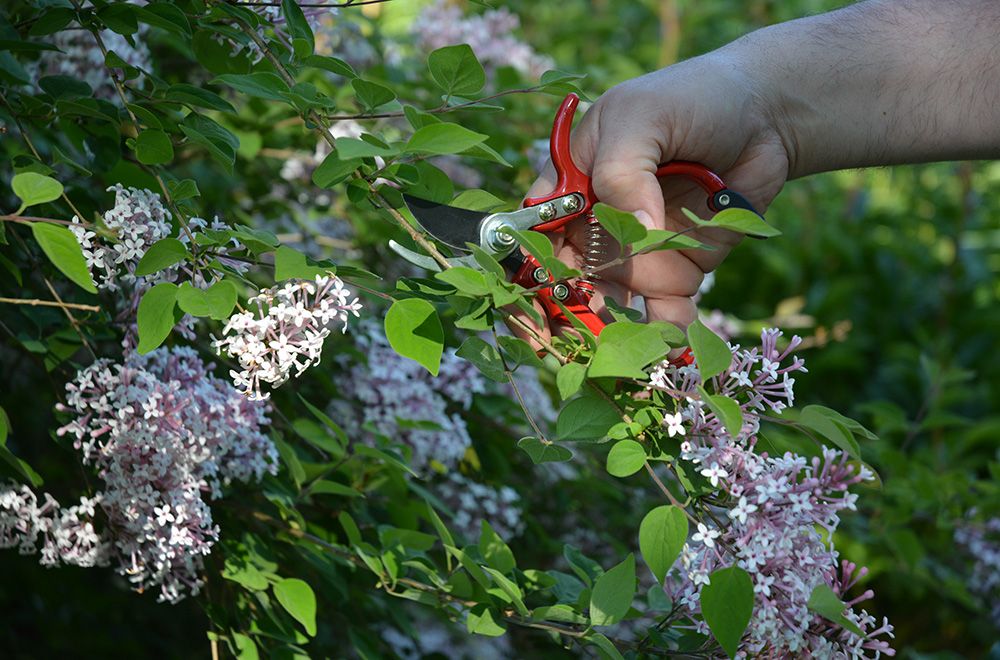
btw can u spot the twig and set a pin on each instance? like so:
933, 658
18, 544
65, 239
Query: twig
312, 5
524, 408
441, 109
28, 219
33, 302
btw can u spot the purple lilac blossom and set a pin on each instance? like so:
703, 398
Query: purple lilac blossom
473, 502
782, 513
491, 35
81, 58
395, 397
165, 436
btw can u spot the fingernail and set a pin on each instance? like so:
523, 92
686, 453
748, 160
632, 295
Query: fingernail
645, 219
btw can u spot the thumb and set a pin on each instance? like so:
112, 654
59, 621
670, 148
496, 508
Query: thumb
624, 170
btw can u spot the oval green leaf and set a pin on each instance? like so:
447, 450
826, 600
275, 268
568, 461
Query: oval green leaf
64, 251
710, 351
298, 599
414, 331
156, 316
727, 604
162, 254
662, 534
626, 458
34, 188
613, 593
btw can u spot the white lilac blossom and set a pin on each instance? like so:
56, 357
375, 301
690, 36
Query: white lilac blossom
394, 397
473, 502
79, 57
286, 333
60, 534
137, 220
782, 514
165, 436
490, 34
980, 540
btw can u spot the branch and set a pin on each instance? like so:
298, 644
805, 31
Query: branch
34, 302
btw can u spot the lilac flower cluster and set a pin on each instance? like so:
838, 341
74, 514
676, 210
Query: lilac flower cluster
472, 502
286, 333
396, 398
64, 534
165, 436
137, 220
777, 509
490, 34
980, 540
80, 58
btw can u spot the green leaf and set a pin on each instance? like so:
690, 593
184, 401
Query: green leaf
166, 16
824, 602
625, 348
371, 95
162, 254
119, 18
260, 84
4, 426
726, 409
20, 466
466, 280
352, 148
484, 356
726, 605
33, 188
711, 352
289, 263
519, 351
334, 169
537, 244
662, 534
569, 378
606, 647
65, 87
203, 98
626, 458
217, 301
456, 70
544, 452
622, 225
443, 138
482, 621
331, 64
510, 588
818, 419
613, 593
495, 552
156, 316
64, 251
586, 418
245, 647
414, 331
661, 239
743, 221
153, 147
298, 599
299, 27
50, 21
327, 487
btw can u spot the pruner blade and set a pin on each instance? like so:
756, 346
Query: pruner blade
452, 226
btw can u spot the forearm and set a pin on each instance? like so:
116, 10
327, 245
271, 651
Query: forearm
881, 82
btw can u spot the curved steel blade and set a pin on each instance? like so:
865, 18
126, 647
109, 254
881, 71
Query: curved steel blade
452, 226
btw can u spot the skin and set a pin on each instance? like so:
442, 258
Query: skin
878, 83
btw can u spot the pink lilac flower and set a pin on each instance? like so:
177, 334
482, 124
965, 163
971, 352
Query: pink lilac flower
391, 396
490, 34
80, 58
165, 436
286, 333
782, 511
60, 534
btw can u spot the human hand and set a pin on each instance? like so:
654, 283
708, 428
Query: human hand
702, 110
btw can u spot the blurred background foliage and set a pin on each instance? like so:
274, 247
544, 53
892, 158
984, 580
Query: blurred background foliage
891, 274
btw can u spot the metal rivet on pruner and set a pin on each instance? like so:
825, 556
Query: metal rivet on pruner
571, 204
540, 275
560, 292
723, 200
546, 211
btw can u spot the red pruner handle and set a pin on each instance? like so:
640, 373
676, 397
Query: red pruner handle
569, 178
574, 300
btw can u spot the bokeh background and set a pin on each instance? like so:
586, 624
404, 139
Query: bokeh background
890, 274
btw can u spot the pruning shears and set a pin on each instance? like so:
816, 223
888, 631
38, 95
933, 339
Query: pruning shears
572, 198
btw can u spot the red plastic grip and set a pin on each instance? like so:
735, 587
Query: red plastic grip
576, 302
